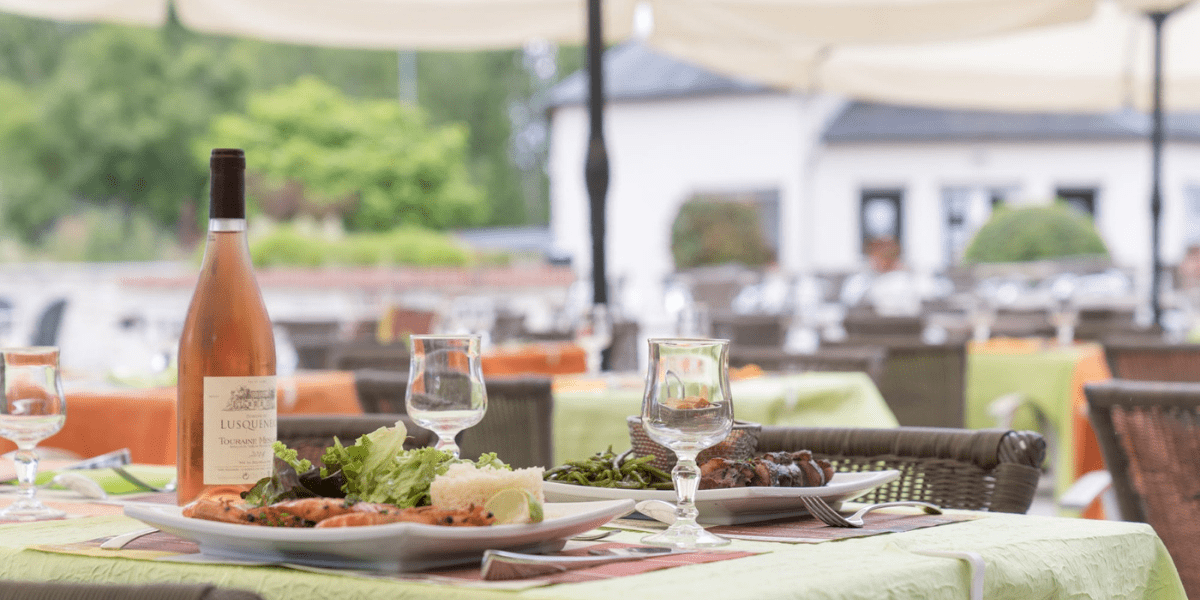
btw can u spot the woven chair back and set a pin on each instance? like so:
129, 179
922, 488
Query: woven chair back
369, 354
1153, 360
986, 469
840, 360
310, 435
1149, 434
518, 425
925, 385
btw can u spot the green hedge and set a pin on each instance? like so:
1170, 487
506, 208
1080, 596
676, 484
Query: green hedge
408, 245
714, 232
1034, 233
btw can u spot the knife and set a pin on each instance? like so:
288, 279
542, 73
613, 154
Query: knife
504, 565
115, 458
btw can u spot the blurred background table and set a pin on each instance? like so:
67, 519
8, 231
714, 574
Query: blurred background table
590, 412
1039, 379
143, 420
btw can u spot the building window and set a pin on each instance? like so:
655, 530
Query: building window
881, 216
1191, 216
966, 209
1080, 199
765, 202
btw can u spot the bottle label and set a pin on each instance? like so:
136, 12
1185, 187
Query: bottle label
239, 429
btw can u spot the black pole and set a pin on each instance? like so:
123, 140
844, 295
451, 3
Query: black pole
596, 168
1156, 148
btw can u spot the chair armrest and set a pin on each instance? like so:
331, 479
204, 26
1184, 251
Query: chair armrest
1086, 489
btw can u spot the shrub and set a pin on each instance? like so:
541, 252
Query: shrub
410, 245
1035, 233
712, 232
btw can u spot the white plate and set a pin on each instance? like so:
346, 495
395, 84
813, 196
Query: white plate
732, 506
391, 547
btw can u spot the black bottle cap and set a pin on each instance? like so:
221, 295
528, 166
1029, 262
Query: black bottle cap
227, 184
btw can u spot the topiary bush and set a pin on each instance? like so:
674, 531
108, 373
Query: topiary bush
713, 232
1035, 233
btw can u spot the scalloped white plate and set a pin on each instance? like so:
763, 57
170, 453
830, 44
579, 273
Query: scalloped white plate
733, 506
392, 547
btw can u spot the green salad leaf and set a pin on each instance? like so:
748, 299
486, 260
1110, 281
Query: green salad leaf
377, 468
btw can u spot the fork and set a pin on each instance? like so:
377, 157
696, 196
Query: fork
820, 509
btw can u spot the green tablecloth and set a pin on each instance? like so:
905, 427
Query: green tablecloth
1026, 557
587, 422
1043, 378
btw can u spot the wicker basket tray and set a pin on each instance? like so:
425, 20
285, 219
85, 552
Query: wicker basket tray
741, 444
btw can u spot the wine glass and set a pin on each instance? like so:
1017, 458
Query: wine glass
34, 409
687, 408
593, 333
445, 386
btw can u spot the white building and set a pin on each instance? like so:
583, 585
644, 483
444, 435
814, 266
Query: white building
829, 172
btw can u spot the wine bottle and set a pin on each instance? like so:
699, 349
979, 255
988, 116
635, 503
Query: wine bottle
226, 388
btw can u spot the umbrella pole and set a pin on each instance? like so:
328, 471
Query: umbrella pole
1156, 148
596, 167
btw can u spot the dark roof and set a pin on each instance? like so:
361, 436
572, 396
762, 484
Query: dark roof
871, 122
634, 72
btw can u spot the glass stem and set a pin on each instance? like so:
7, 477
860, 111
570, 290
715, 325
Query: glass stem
446, 444
26, 462
687, 479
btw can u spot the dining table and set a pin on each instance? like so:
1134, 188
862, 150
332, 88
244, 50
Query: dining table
591, 411
1042, 380
897, 555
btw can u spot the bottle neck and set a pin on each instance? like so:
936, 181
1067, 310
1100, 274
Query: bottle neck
227, 225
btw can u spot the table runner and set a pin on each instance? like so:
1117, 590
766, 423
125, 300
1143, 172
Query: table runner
161, 545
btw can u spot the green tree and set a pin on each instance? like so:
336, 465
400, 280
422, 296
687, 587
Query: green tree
310, 148
115, 124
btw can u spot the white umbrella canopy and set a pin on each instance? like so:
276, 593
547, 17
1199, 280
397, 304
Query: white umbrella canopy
1103, 64
785, 43
364, 24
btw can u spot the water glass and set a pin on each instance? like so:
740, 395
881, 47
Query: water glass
593, 333
687, 407
34, 409
446, 393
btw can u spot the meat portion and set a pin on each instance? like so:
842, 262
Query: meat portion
779, 469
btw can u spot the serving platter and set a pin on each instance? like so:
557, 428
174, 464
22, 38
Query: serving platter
733, 506
403, 547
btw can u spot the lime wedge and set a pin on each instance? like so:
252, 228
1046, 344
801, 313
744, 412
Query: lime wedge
514, 505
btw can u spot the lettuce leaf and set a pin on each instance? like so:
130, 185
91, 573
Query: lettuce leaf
377, 468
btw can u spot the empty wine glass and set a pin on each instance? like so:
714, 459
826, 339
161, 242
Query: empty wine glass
33, 410
593, 333
446, 393
687, 408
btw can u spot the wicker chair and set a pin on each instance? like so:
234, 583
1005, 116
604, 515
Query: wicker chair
984, 469
848, 359
369, 354
1149, 360
924, 384
310, 435
759, 331
862, 322
623, 352
518, 425
57, 590
1149, 434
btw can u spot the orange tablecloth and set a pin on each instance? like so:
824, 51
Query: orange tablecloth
558, 358
143, 420
1080, 364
